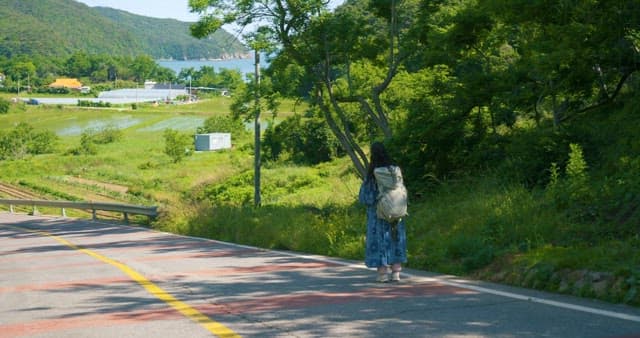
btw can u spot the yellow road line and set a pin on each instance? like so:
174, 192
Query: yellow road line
180, 306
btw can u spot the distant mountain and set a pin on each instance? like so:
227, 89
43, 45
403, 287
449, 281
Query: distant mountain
63, 27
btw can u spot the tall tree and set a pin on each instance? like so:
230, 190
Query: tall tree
578, 54
143, 67
277, 21
498, 67
326, 45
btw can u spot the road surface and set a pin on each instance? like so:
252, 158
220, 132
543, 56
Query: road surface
79, 278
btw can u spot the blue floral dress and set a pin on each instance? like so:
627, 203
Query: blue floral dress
382, 247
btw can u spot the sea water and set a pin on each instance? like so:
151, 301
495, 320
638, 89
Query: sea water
244, 66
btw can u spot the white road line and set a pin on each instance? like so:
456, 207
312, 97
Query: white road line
462, 285
511, 295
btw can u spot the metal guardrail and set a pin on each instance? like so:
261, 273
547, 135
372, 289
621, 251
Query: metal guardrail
125, 209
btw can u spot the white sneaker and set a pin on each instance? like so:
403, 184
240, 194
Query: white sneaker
382, 278
395, 276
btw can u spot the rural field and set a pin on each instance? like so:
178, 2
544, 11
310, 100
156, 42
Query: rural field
135, 168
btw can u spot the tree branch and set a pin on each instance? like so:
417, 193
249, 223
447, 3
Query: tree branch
607, 100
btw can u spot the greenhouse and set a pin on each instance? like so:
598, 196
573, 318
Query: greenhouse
143, 95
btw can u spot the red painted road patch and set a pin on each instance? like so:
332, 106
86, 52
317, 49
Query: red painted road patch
312, 299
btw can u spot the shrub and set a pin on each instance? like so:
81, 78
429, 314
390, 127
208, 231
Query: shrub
237, 191
42, 142
108, 134
87, 145
24, 140
573, 193
4, 106
99, 104
305, 141
91, 137
177, 145
576, 172
222, 124
470, 251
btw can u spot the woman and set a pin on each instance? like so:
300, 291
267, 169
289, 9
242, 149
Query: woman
386, 243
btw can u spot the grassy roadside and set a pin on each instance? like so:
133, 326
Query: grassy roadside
482, 227
479, 229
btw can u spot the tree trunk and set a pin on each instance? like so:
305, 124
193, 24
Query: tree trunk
355, 153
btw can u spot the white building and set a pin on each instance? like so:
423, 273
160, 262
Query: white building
213, 141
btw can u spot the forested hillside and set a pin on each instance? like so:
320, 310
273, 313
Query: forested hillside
60, 28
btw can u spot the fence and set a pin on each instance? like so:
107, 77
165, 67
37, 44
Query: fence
125, 209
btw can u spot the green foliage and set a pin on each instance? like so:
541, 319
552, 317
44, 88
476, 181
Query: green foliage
576, 172
106, 135
87, 145
332, 231
303, 141
88, 103
470, 252
236, 191
143, 67
48, 191
222, 124
90, 138
42, 142
439, 149
24, 140
554, 177
528, 153
289, 80
206, 76
54, 28
282, 185
4, 106
487, 227
244, 104
573, 193
177, 145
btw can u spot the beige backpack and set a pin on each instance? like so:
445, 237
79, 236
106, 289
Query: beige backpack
392, 195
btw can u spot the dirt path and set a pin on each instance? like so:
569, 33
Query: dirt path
16, 192
107, 186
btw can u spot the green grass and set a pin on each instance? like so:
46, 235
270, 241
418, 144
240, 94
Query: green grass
209, 107
137, 160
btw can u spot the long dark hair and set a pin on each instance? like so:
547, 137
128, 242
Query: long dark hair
379, 158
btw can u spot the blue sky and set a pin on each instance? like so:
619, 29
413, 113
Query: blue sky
175, 9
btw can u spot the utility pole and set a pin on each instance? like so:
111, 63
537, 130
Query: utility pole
256, 126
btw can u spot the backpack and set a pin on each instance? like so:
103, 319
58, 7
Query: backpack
391, 203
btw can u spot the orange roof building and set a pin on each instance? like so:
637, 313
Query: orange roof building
66, 83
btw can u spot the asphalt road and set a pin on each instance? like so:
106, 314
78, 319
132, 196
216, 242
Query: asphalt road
78, 278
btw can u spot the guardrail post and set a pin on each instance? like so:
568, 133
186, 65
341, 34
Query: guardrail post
126, 209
